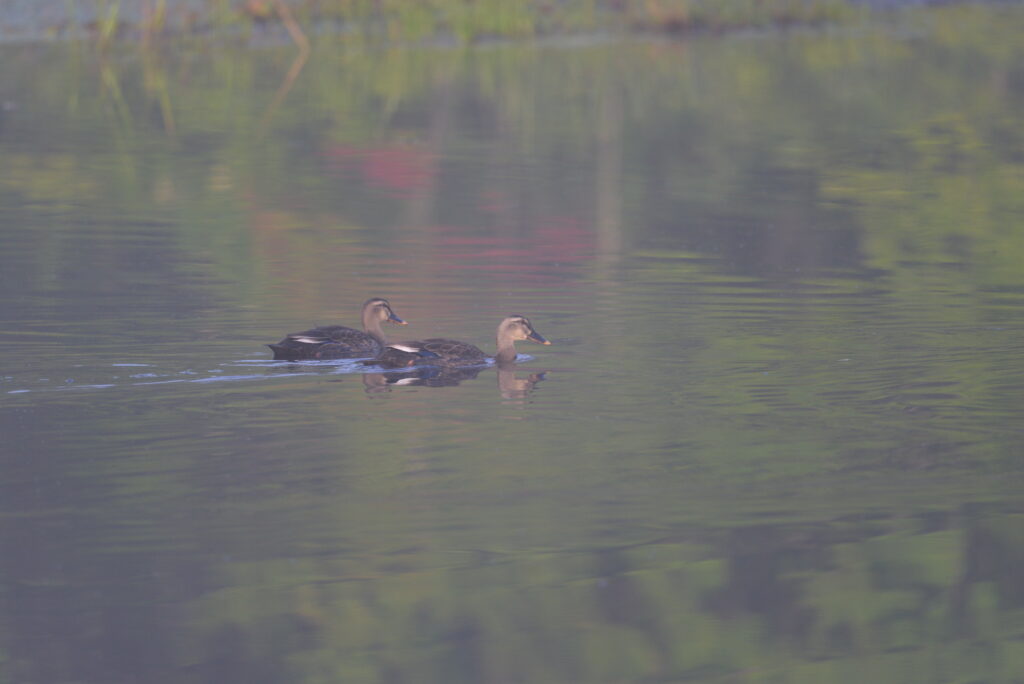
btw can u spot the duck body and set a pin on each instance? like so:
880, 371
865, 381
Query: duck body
435, 351
439, 351
339, 341
327, 342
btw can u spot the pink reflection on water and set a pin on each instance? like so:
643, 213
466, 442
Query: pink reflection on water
555, 240
448, 278
402, 170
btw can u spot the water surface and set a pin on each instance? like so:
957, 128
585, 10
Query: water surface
778, 435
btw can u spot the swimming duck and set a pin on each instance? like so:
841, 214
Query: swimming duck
438, 351
339, 341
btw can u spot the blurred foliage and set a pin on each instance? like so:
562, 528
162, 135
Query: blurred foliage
106, 21
876, 175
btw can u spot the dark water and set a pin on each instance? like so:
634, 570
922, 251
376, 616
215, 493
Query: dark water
778, 437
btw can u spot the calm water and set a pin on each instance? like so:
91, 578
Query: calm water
778, 436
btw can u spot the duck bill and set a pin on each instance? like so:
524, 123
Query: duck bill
535, 336
395, 319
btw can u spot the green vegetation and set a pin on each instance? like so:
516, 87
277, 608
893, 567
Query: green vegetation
403, 21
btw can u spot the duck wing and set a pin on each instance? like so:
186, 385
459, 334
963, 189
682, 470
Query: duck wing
454, 352
326, 342
435, 351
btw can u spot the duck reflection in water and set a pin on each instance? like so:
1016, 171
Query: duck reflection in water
513, 387
510, 386
423, 376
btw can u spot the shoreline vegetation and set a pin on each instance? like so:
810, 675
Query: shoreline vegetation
410, 21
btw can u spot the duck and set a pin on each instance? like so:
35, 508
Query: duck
339, 341
438, 351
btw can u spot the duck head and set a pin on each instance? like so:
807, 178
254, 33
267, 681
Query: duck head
377, 310
511, 330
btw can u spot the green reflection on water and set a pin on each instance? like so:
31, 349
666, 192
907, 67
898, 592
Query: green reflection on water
778, 439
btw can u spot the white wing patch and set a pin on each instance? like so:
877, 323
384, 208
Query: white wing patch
306, 340
405, 347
